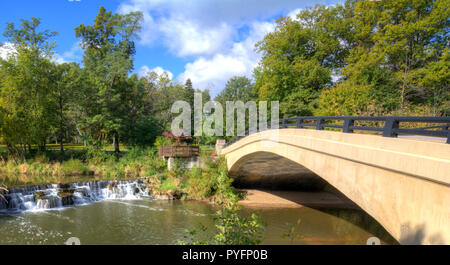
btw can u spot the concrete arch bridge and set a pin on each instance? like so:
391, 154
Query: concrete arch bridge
404, 183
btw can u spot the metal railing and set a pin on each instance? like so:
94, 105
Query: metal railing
391, 127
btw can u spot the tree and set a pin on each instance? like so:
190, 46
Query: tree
159, 94
408, 32
27, 98
435, 78
300, 56
66, 82
189, 93
391, 52
237, 88
109, 49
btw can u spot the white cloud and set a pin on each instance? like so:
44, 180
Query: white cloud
293, 13
144, 70
207, 12
203, 27
210, 32
58, 59
6, 49
75, 53
184, 37
241, 59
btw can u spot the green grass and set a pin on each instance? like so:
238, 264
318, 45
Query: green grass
74, 167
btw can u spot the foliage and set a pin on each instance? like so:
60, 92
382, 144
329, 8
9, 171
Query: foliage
26, 88
362, 57
345, 100
232, 229
46, 167
109, 49
358, 58
161, 141
292, 233
74, 166
237, 88
299, 57
235, 229
144, 132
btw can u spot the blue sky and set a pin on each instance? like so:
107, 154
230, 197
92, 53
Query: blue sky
208, 41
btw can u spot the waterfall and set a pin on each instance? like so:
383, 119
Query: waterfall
52, 196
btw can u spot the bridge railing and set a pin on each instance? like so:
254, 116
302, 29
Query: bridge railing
391, 128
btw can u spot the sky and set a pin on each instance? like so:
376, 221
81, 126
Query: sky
208, 41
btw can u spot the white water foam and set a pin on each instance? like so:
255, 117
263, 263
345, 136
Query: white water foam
43, 197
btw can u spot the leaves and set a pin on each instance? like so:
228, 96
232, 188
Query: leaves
382, 55
232, 229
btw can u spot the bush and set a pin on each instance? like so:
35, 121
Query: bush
232, 229
144, 132
344, 100
74, 167
161, 141
210, 181
96, 155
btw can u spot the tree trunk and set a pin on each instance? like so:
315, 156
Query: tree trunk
61, 123
61, 136
61, 145
116, 142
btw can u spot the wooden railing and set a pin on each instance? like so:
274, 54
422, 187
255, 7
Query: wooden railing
390, 125
178, 151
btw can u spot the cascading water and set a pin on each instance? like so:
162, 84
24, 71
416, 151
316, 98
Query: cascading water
62, 195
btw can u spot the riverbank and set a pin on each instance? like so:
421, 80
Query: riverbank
209, 182
80, 165
294, 199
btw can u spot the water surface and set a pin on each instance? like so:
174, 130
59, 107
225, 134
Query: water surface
147, 221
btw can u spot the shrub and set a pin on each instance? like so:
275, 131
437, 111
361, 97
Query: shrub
161, 141
73, 167
232, 229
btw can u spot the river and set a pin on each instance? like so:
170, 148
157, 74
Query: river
127, 216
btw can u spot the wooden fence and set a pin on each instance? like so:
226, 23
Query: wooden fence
178, 151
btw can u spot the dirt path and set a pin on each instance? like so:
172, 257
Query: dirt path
294, 199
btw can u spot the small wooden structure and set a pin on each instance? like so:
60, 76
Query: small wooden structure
178, 151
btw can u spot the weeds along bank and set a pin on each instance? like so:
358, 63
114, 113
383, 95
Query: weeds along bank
210, 182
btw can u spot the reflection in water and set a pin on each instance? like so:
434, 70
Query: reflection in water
338, 226
164, 222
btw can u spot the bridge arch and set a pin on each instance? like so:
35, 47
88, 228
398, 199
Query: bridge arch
272, 171
404, 184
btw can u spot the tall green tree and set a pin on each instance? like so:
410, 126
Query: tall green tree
189, 92
108, 58
27, 98
160, 92
362, 57
237, 88
410, 34
300, 56
67, 83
